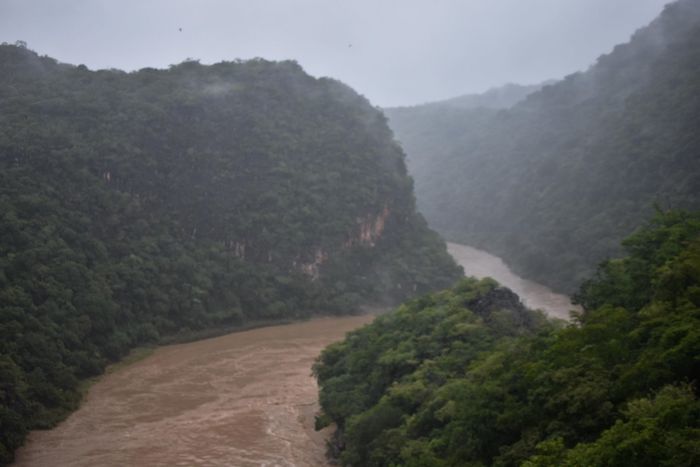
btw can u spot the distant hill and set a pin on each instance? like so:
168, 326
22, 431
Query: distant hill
424, 129
141, 206
555, 182
501, 97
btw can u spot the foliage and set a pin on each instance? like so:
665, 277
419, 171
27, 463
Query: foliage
376, 384
438, 383
556, 182
140, 205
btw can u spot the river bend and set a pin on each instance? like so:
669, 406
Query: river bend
244, 399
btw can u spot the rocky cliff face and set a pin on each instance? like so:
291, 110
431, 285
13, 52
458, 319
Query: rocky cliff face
368, 232
371, 228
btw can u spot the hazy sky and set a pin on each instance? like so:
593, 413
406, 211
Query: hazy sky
393, 52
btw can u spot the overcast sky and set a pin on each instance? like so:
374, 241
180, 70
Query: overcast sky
394, 52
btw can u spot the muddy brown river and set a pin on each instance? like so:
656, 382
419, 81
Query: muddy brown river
480, 264
244, 399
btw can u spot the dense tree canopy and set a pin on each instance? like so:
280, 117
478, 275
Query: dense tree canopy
554, 183
140, 205
468, 377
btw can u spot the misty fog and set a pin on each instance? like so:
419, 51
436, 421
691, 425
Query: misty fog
393, 52
368, 233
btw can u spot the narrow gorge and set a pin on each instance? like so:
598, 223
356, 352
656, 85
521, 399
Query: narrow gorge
244, 399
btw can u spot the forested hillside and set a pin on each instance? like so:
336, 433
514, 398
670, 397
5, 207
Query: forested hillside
553, 184
501, 97
156, 203
434, 128
468, 376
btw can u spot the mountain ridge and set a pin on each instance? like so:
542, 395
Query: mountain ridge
554, 183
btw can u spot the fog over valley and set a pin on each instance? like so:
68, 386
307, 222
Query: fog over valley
393, 52
369, 234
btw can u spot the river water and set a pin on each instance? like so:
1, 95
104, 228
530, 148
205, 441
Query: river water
480, 264
244, 399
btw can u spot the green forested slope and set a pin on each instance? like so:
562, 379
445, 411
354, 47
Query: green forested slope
430, 131
140, 205
553, 184
467, 377
501, 97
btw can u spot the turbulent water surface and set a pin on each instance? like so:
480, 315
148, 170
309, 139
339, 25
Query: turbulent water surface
244, 399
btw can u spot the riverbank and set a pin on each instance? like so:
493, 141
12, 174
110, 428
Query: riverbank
134, 355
